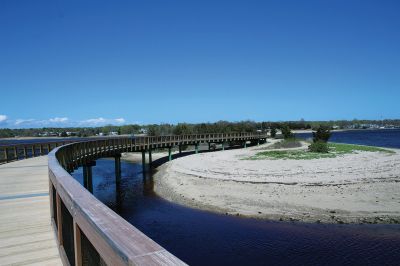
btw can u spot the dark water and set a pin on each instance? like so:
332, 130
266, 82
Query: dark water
389, 138
204, 238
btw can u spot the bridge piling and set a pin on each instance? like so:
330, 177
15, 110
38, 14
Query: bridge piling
144, 160
88, 175
150, 158
117, 160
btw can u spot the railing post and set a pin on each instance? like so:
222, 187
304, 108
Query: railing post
59, 220
77, 245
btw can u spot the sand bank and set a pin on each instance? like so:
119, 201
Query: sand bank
354, 188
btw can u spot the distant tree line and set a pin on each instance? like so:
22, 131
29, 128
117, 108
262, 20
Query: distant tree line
190, 128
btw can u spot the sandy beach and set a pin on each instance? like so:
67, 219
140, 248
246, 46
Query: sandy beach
362, 187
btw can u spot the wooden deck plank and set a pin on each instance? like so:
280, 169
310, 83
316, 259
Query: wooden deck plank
26, 234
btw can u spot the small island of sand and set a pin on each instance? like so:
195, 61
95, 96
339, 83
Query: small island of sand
356, 187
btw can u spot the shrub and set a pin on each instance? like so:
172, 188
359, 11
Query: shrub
322, 134
319, 146
287, 133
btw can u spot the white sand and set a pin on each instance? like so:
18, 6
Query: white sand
352, 188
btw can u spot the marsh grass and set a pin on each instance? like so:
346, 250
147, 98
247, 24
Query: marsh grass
335, 149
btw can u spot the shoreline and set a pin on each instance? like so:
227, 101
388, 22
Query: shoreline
300, 196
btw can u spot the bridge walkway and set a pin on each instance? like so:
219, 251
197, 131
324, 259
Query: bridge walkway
26, 234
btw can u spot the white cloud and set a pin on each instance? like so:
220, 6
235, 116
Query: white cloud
3, 118
60, 122
24, 121
100, 121
120, 120
58, 119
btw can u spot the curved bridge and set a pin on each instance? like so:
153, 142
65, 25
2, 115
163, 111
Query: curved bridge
88, 232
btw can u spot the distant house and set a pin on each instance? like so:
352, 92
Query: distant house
113, 133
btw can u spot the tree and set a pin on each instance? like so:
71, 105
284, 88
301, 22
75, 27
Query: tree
322, 134
286, 132
273, 132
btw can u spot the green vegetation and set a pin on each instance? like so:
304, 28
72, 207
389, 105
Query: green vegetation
319, 146
286, 132
322, 134
273, 132
335, 149
320, 139
185, 128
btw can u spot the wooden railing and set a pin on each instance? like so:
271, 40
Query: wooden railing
13, 152
89, 232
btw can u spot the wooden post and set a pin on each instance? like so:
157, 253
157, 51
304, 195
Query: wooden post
33, 150
25, 152
59, 220
48, 148
77, 245
6, 154
41, 149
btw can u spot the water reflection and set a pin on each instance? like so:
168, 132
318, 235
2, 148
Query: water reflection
203, 238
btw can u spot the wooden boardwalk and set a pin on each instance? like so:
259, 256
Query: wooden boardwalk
26, 234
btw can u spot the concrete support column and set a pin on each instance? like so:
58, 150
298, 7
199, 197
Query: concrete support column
209, 146
169, 154
258, 142
245, 144
180, 149
223, 146
196, 148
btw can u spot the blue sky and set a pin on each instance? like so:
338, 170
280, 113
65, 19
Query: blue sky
66, 63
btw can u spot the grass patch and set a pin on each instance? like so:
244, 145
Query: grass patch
335, 149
